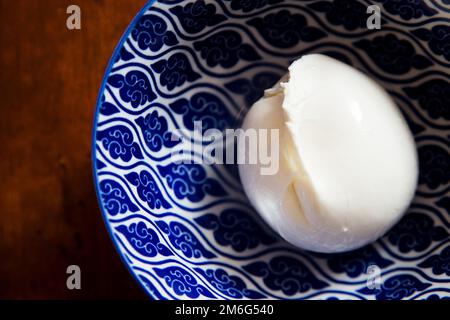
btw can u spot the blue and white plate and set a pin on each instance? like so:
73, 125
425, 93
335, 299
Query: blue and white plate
187, 231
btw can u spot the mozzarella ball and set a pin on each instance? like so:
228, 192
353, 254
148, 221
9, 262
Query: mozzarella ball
348, 165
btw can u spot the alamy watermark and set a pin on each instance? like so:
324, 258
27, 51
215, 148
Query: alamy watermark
73, 281
374, 20
213, 146
373, 277
73, 21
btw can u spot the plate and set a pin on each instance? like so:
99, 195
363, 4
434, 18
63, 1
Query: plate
186, 230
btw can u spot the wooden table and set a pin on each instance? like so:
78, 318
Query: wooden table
49, 216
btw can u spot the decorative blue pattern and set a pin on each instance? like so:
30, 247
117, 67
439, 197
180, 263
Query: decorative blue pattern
438, 39
119, 141
396, 288
286, 274
182, 282
175, 71
196, 16
225, 48
204, 107
134, 88
445, 204
156, 131
185, 230
235, 228
190, 181
284, 29
416, 232
250, 5
231, 286
350, 14
408, 9
433, 96
253, 88
124, 55
184, 240
143, 239
99, 165
440, 263
150, 32
147, 189
115, 199
392, 54
356, 263
107, 108
434, 166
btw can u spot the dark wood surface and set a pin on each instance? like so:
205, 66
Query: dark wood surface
49, 217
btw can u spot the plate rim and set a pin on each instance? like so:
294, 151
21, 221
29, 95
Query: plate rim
106, 73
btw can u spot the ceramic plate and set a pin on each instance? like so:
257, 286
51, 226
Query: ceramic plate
187, 231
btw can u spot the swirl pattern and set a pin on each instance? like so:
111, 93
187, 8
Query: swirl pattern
175, 71
397, 288
196, 16
415, 232
225, 48
134, 87
150, 32
437, 38
284, 30
115, 199
144, 240
356, 263
433, 96
235, 228
434, 166
286, 274
190, 181
231, 286
186, 230
250, 5
392, 54
147, 189
408, 9
183, 283
349, 14
156, 132
252, 89
204, 107
183, 239
107, 108
440, 263
118, 140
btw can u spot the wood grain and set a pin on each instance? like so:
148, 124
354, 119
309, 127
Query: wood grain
49, 216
